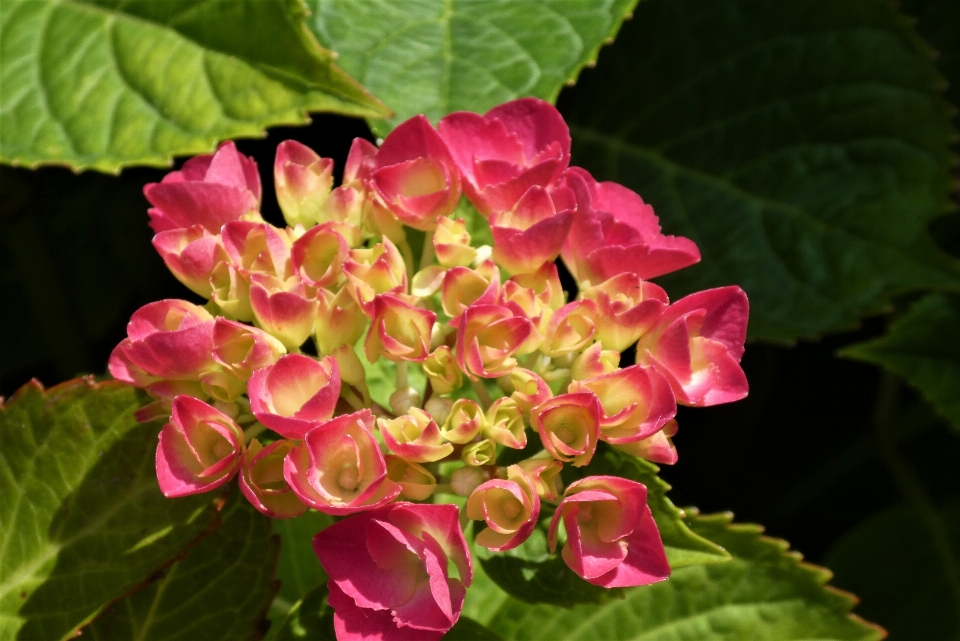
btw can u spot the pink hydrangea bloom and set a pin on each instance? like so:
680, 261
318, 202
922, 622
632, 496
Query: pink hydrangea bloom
390, 572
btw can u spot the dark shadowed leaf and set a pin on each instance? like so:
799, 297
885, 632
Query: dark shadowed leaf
220, 591
923, 346
804, 147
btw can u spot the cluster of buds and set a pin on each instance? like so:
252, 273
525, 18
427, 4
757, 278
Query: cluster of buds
510, 362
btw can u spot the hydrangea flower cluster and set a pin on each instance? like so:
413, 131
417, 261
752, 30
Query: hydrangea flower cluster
481, 312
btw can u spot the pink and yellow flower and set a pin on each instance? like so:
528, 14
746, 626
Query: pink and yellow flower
262, 482
626, 308
442, 370
533, 231
569, 426
414, 174
340, 320
200, 449
295, 394
303, 181
510, 507
451, 243
612, 540
658, 447
503, 153
414, 437
697, 345
400, 330
339, 468
210, 190
317, 256
257, 248
389, 572
488, 338
415, 481
504, 424
284, 308
637, 401
191, 253
243, 349
464, 422
376, 270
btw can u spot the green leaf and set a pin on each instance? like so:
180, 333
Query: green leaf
310, 619
82, 519
106, 83
905, 567
804, 147
434, 57
220, 591
937, 23
923, 346
299, 570
466, 629
764, 593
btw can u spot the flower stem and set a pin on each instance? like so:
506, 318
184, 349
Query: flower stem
402, 376
426, 257
482, 394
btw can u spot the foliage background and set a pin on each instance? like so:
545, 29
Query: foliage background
847, 445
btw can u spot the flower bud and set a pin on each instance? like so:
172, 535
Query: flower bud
570, 329
441, 368
403, 399
168, 339
243, 349
488, 338
414, 437
351, 368
626, 308
451, 243
510, 508
482, 452
658, 447
636, 402
231, 292
463, 287
544, 473
528, 389
262, 482
317, 256
504, 424
464, 480
295, 394
414, 175
569, 426
464, 423
340, 321
190, 254
377, 270
339, 468
303, 180
399, 332
283, 308
428, 281
594, 361
532, 233
415, 481
200, 449
258, 248
439, 407
222, 385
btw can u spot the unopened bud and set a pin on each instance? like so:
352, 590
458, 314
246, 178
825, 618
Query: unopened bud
439, 408
465, 480
402, 400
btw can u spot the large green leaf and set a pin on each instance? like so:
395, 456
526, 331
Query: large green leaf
430, 57
764, 593
82, 519
108, 83
804, 147
905, 566
220, 591
923, 346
